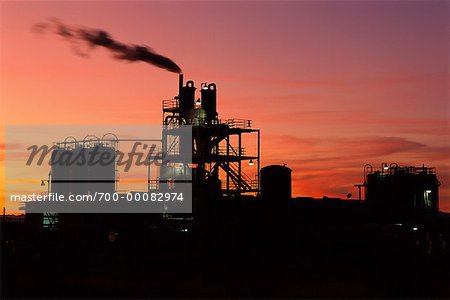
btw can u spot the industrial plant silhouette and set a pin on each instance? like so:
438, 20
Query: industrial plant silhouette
245, 238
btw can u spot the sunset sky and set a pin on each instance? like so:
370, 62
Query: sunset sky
332, 85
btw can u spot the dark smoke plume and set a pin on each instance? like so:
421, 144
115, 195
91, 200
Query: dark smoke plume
90, 38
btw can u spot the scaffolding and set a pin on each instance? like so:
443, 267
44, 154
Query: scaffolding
218, 150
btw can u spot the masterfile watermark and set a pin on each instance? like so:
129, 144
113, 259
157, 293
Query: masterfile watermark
99, 197
149, 155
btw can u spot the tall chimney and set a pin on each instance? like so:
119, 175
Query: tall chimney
180, 84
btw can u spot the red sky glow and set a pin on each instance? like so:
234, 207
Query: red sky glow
332, 85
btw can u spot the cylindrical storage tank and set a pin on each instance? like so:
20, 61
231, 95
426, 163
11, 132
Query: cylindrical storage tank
102, 172
187, 98
373, 189
209, 102
79, 171
276, 183
60, 178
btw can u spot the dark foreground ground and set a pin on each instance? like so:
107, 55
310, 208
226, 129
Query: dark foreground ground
309, 256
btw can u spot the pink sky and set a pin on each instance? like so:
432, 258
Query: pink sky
332, 85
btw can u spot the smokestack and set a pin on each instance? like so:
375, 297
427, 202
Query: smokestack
91, 38
180, 84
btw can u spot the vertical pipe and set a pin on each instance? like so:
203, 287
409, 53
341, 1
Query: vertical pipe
239, 163
259, 155
180, 84
148, 175
228, 163
180, 100
48, 181
359, 194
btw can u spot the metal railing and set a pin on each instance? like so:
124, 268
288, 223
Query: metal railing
238, 123
244, 176
170, 104
234, 186
232, 152
405, 170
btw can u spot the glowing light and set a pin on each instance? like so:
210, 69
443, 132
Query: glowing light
428, 191
250, 163
415, 228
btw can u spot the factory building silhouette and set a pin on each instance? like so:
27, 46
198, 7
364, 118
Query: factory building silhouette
246, 232
217, 175
220, 187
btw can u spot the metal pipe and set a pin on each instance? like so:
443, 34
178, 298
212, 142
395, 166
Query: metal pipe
148, 175
259, 163
180, 84
240, 162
